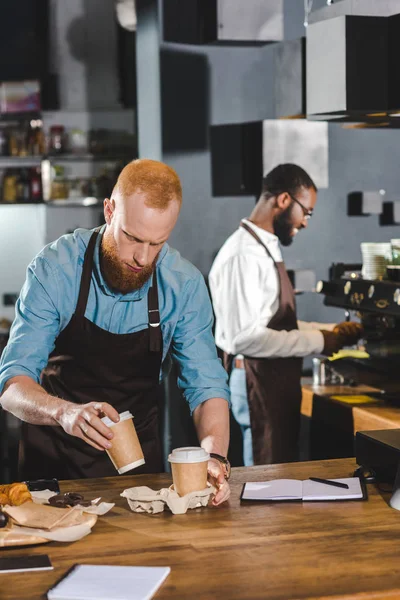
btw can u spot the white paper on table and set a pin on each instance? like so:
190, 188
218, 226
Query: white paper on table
103, 582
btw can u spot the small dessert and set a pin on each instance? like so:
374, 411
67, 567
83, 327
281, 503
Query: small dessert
68, 499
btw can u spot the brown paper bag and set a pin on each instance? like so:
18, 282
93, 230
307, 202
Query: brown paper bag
41, 516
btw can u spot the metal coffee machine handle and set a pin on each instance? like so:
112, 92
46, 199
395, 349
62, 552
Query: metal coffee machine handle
325, 374
319, 370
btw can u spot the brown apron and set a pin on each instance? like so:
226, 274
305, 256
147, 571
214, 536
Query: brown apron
92, 364
273, 384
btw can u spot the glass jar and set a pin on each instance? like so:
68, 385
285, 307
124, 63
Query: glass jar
57, 139
395, 245
3, 143
10, 191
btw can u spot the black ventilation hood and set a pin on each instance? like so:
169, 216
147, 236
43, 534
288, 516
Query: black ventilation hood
290, 79
231, 22
352, 70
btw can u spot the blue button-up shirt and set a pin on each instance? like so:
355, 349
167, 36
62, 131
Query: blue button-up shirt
50, 293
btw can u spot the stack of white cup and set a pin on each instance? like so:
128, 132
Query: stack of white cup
375, 258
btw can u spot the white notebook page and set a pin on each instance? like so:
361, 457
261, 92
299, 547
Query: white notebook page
313, 490
295, 489
97, 582
277, 489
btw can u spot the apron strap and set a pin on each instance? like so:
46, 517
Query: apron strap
258, 239
154, 316
284, 281
86, 275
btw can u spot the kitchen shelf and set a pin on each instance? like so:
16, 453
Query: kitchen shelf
88, 157
76, 202
7, 162
85, 202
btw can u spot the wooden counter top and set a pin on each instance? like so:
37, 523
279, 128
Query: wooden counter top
368, 417
254, 551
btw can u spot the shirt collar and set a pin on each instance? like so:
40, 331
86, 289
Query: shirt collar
266, 236
131, 296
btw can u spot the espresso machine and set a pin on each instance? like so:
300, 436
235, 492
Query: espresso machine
377, 304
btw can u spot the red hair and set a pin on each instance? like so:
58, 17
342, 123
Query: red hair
157, 180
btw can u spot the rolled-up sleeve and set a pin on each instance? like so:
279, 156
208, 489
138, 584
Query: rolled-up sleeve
36, 325
201, 374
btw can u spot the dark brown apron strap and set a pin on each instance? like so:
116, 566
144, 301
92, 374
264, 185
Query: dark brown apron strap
155, 336
257, 238
228, 362
86, 276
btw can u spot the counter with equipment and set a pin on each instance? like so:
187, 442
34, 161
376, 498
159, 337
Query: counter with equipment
359, 389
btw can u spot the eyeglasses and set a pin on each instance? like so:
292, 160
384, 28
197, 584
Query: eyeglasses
308, 213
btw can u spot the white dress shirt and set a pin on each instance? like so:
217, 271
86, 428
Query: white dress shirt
245, 291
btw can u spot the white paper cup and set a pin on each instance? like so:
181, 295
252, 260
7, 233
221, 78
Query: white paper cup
189, 469
126, 452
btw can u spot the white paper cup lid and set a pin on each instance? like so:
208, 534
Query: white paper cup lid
122, 417
189, 454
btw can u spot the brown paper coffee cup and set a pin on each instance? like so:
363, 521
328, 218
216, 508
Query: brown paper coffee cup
189, 469
126, 452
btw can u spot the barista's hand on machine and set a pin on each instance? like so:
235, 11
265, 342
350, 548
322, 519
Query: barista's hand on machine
84, 421
351, 331
343, 334
216, 477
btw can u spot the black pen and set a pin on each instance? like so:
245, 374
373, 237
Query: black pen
329, 482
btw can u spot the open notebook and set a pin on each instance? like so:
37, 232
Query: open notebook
307, 490
100, 582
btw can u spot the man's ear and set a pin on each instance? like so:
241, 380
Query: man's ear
109, 206
282, 201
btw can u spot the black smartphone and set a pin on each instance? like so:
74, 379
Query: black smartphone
37, 485
19, 564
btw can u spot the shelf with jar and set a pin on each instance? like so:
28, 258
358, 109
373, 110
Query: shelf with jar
26, 143
61, 190
34, 164
22, 186
49, 183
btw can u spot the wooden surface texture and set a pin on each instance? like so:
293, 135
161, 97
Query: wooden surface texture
364, 417
254, 550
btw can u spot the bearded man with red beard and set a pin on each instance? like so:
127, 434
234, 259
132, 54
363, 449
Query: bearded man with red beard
98, 314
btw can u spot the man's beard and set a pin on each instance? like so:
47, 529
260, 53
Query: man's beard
117, 274
283, 227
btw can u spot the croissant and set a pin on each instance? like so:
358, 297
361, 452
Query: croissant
14, 494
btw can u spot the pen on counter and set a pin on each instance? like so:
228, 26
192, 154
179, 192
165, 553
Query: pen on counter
329, 482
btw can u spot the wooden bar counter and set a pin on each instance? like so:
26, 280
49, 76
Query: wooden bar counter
333, 423
254, 550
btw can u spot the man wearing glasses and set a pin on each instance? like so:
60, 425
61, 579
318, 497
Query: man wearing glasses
256, 323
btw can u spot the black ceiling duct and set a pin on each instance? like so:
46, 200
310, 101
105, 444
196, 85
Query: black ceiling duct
348, 68
237, 159
239, 22
352, 70
290, 79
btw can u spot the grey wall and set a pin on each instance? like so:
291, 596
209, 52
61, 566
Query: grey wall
84, 53
240, 88
358, 160
210, 85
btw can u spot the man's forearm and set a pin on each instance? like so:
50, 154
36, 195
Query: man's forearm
28, 401
211, 419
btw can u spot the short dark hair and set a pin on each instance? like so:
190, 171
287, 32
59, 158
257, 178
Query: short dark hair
286, 178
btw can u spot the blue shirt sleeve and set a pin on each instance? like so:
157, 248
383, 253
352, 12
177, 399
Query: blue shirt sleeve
35, 327
201, 375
